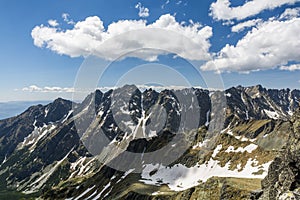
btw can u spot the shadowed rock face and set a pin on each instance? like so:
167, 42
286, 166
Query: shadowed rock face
283, 179
15, 129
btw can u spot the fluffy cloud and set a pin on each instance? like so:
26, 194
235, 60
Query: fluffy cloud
89, 37
222, 10
271, 44
143, 12
290, 13
47, 89
292, 67
52, 22
66, 18
34, 88
241, 26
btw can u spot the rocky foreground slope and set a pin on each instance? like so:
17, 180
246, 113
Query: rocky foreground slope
283, 179
232, 137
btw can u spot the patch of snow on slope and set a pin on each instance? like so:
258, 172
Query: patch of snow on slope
180, 177
84, 193
93, 194
230, 149
271, 114
43, 179
241, 138
81, 166
46, 112
247, 115
207, 118
249, 149
229, 132
217, 150
201, 144
36, 135
107, 193
243, 98
5, 159
152, 133
125, 174
68, 115
105, 188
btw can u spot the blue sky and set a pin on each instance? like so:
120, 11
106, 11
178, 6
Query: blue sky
40, 62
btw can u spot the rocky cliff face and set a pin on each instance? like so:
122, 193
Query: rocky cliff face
48, 150
283, 179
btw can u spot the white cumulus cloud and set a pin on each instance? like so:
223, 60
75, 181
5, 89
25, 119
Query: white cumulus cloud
271, 44
222, 9
66, 18
53, 23
34, 88
290, 13
143, 12
247, 24
90, 37
292, 67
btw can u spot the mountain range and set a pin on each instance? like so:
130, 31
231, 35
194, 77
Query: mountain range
172, 144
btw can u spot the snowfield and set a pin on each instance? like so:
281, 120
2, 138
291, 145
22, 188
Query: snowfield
180, 177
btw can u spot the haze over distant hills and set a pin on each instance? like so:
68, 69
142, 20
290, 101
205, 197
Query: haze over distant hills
13, 108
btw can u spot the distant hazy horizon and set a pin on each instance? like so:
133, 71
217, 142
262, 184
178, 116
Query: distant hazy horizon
13, 108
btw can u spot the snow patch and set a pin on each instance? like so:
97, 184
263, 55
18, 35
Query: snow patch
85, 192
200, 144
43, 179
249, 149
207, 118
243, 99
105, 188
217, 150
180, 177
68, 115
5, 159
271, 114
127, 173
81, 166
247, 115
36, 135
229, 132
238, 137
46, 112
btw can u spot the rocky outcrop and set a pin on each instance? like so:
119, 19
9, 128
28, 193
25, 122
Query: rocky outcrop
283, 179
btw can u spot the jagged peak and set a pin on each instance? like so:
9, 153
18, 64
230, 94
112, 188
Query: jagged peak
60, 100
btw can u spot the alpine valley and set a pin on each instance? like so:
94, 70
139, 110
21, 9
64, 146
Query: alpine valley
241, 143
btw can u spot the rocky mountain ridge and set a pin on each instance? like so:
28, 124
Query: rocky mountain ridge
57, 142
